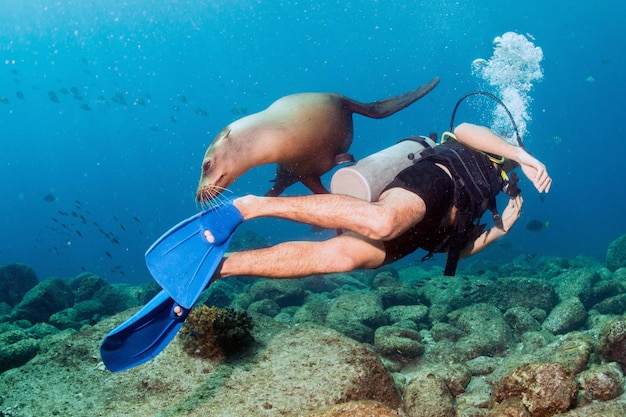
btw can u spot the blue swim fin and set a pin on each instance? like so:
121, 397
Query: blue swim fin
183, 261
144, 335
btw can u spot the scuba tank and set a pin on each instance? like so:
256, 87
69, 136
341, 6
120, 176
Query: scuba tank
367, 178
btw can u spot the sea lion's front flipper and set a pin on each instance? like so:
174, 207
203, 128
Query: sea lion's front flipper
344, 158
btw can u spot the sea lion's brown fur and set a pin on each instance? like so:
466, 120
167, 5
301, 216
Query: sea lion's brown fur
306, 134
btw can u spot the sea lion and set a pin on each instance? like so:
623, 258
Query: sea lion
306, 134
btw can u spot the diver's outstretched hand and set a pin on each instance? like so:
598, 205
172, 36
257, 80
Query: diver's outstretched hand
512, 212
535, 171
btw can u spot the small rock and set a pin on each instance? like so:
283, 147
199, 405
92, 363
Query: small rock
576, 283
15, 281
356, 315
568, 315
487, 331
43, 300
510, 407
427, 395
456, 376
313, 311
545, 389
16, 348
603, 382
285, 292
415, 313
612, 305
85, 285
616, 254
356, 409
445, 331
268, 307
398, 343
612, 341
482, 365
521, 320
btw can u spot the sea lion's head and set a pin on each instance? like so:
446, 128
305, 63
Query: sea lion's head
217, 164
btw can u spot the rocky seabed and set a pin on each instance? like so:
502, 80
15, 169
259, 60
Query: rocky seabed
535, 337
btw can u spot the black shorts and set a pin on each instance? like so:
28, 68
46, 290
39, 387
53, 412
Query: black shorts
436, 188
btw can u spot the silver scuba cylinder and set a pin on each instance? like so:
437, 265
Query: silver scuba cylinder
367, 178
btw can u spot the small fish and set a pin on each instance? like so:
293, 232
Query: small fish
135, 218
19, 95
537, 225
201, 112
108, 254
53, 96
122, 227
63, 90
79, 233
63, 213
85, 107
4, 100
182, 98
50, 198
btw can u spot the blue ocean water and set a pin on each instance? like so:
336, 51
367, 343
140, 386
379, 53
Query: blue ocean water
107, 108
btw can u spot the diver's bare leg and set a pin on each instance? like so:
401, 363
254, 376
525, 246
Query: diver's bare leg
343, 253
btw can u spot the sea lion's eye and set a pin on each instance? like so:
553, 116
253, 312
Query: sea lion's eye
206, 166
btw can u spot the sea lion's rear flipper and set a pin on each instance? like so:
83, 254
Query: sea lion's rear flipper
383, 108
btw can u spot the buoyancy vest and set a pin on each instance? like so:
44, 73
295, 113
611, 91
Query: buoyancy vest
477, 181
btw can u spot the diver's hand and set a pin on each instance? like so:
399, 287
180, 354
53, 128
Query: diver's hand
512, 212
535, 171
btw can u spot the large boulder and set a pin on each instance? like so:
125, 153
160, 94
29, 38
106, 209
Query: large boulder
302, 371
616, 254
15, 281
43, 300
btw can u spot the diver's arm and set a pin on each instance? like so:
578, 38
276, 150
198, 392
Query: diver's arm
483, 139
510, 215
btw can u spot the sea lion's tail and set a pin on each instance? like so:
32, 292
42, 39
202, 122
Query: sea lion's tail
387, 107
